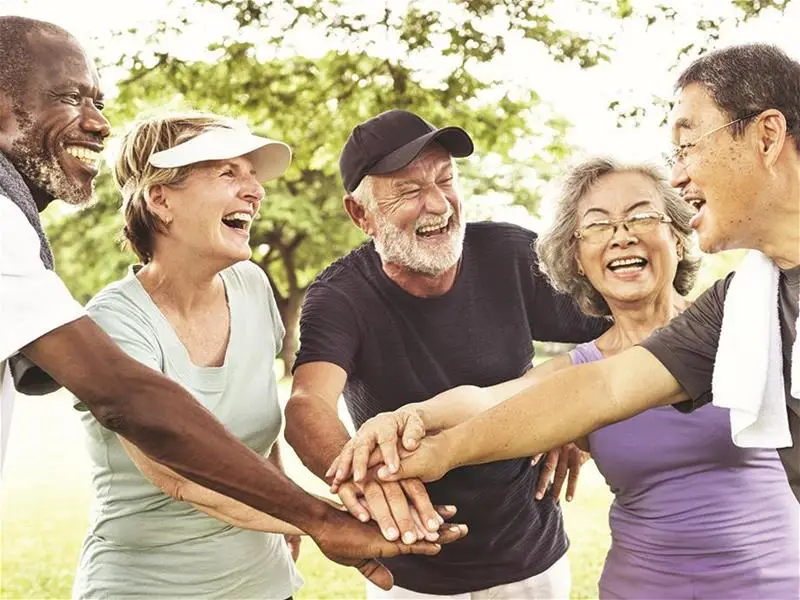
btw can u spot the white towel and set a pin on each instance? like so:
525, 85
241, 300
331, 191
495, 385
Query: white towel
748, 372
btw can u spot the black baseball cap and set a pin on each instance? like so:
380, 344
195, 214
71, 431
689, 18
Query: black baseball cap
390, 141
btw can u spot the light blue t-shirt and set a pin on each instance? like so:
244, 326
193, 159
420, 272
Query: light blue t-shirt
141, 542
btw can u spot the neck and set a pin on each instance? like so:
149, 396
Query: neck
40, 197
635, 321
422, 284
780, 238
184, 286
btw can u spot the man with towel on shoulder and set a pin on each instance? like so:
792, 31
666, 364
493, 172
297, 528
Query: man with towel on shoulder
736, 159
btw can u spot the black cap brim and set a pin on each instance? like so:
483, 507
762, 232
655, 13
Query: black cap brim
454, 139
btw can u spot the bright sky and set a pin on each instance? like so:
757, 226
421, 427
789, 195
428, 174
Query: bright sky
641, 65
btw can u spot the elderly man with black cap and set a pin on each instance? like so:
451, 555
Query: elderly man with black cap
430, 303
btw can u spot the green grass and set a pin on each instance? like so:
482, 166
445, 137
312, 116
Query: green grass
45, 505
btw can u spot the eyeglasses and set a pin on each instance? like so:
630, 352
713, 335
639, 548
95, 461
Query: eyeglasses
681, 151
600, 232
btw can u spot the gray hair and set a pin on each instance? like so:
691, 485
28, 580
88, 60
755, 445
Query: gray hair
364, 193
557, 248
748, 79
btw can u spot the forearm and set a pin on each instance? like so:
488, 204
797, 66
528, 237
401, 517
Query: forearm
455, 406
464, 402
203, 499
167, 423
314, 431
550, 413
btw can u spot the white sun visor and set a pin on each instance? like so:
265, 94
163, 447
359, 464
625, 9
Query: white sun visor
270, 158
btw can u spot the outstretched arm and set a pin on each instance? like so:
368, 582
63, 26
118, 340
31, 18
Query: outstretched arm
203, 499
409, 424
562, 407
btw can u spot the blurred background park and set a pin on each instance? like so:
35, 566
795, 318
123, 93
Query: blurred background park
537, 83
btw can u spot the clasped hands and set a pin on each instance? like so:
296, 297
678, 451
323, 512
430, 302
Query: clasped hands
379, 474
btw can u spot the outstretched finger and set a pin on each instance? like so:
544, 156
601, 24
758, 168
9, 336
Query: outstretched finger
451, 532
344, 463
388, 446
413, 432
546, 474
350, 500
376, 573
561, 473
360, 459
418, 495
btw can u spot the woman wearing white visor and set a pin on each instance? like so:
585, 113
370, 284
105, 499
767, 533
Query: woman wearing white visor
197, 310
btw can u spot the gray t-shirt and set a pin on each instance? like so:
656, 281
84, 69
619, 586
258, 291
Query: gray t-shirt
142, 543
687, 347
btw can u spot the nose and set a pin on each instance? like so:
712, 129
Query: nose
252, 191
93, 121
435, 201
622, 238
678, 177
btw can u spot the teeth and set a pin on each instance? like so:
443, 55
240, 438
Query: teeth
627, 262
432, 226
238, 216
85, 155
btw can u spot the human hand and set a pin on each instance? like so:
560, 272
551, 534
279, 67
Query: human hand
383, 431
348, 542
402, 509
559, 463
429, 462
293, 541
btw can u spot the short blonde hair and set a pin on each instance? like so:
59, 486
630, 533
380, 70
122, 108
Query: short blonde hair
135, 176
557, 248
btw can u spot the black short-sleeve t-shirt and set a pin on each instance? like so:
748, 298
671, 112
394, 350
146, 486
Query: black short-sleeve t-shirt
687, 347
398, 348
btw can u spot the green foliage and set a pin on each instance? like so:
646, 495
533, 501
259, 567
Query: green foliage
313, 102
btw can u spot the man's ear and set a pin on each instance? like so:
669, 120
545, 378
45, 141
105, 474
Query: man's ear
158, 203
357, 213
771, 131
8, 122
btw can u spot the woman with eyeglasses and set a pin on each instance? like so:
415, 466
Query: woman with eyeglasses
683, 520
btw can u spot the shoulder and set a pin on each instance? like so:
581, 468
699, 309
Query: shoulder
353, 266
249, 276
20, 243
498, 232
120, 305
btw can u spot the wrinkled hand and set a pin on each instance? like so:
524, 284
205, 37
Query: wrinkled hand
293, 541
560, 464
346, 541
429, 462
384, 431
402, 509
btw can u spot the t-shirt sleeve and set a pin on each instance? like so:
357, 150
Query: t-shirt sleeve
130, 332
33, 300
687, 346
555, 317
329, 329
278, 328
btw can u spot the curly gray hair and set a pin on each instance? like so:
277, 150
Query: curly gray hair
557, 248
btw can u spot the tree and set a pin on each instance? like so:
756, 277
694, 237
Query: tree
313, 102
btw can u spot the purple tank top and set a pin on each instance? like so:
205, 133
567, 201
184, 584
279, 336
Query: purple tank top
693, 515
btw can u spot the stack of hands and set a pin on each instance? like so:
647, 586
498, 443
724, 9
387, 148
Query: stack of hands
379, 475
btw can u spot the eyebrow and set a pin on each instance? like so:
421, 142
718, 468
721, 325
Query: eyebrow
633, 206
683, 123
83, 88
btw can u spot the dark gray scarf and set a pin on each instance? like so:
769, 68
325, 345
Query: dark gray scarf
13, 186
28, 378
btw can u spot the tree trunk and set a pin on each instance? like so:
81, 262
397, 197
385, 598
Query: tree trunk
291, 321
